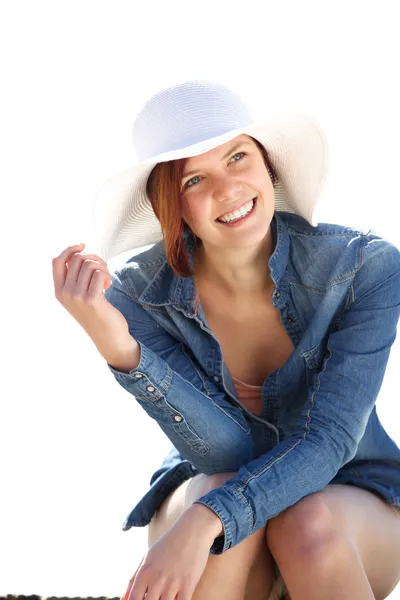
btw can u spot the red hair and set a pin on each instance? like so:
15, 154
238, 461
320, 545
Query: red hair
164, 191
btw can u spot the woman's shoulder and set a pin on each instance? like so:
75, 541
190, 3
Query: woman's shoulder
332, 252
299, 226
136, 271
140, 259
336, 236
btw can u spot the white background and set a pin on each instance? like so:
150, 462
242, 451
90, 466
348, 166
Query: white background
77, 452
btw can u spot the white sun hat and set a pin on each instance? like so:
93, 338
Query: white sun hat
189, 119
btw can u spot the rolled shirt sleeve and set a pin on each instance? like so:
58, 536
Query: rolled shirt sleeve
166, 370
335, 415
162, 359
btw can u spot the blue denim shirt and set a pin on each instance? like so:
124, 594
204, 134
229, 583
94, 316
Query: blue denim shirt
338, 293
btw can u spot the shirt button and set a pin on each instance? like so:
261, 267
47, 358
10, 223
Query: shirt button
216, 378
150, 388
138, 375
178, 418
277, 295
290, 320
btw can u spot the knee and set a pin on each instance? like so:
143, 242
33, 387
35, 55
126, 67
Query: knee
306, 530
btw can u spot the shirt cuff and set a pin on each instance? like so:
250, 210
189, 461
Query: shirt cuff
151, 377
235, 514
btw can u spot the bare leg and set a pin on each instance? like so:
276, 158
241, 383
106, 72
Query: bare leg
315, 558
333, 575
244, 572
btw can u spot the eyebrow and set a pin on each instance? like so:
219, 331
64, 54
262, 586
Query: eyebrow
223, 158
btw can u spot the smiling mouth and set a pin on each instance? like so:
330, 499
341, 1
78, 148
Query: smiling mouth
218, 220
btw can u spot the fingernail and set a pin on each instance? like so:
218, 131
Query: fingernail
126, 595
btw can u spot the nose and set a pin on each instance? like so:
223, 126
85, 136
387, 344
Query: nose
227, 189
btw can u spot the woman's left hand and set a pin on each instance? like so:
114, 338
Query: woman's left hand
173, 565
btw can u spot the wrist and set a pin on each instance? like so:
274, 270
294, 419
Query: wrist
125, 358
207, 521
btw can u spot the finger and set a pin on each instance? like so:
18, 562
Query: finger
138, 589
85, 276
68, 252
128, 589
91, 256
132, 583
98, 283
60, 267
76, 264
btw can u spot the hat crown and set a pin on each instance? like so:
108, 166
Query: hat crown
186, 114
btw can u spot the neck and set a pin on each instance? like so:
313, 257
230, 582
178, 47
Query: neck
237, 272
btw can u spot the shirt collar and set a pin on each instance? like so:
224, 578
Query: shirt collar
168, 289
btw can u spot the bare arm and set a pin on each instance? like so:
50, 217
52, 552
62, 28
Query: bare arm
127, 359
79, 283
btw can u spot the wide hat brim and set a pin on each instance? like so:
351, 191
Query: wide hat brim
298, 150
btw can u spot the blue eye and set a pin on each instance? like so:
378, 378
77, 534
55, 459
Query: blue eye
197, 177
187, 183
244, 153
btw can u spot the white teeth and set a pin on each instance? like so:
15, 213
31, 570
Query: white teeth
236, 214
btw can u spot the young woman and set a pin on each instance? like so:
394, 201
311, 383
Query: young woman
258, 340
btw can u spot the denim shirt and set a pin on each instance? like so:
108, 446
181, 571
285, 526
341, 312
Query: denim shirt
338, 293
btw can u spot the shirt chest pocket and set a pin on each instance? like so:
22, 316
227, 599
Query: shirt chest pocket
313, 362
314, 357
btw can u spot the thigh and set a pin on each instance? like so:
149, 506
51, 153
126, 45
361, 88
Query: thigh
249, 566
180, 499
374, 527
171, 509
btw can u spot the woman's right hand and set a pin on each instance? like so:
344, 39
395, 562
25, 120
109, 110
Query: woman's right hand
132, 581
79, 283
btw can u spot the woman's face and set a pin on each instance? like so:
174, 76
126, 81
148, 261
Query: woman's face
222, 180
